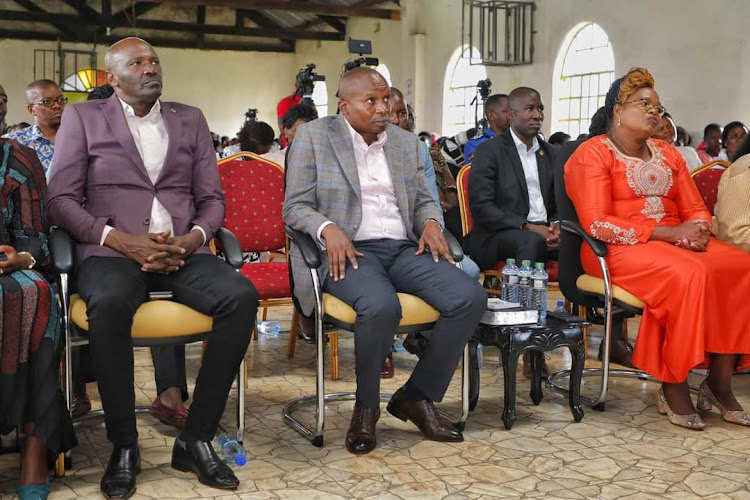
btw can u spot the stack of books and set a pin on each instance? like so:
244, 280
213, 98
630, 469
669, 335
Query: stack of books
503, 313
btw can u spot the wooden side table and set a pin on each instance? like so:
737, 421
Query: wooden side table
512, 341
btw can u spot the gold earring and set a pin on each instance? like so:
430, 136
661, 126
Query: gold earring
619, 122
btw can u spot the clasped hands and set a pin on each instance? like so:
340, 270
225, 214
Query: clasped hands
551, 233
156, 252
340, 248
692, 235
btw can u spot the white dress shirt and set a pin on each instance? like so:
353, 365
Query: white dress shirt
152, 140
537, 210
381, 217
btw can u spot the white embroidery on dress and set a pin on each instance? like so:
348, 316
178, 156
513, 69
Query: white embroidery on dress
650, 179
611, 233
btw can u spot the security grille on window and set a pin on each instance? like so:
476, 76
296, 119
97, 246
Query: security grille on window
503, 31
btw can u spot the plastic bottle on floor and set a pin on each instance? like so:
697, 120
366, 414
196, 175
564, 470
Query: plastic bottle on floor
560, 307
524, 283
271, 328
539, 279
509, 290
229, 449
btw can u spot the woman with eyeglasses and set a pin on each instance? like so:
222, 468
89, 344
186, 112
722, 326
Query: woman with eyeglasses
30, 394
635, 194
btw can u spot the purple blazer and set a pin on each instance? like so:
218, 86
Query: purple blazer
98, 176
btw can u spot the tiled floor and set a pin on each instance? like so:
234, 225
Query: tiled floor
628, 451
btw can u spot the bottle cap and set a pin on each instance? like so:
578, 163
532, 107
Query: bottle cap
510, 261
560, 303
539, 265
240, 460
526, 262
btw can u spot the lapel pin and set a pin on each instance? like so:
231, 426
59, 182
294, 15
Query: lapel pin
541, 152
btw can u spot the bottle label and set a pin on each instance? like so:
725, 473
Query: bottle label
539, 284
512, 279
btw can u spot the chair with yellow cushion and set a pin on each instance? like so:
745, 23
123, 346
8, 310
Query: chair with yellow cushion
587, 291
158, 321
417, 316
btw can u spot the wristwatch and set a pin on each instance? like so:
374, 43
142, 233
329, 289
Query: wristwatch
31, 258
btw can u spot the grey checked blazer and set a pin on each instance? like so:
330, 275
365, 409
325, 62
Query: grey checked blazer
323, 184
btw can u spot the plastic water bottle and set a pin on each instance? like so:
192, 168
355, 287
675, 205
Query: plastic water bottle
539, 280
524, 283
230, 449
560, 307
271, 328
509, 290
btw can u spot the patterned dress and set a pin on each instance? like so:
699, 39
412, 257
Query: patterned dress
29, 311
695, 301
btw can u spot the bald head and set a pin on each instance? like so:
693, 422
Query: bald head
358, 80
518, 96
35, 89
134, 71
526, 113
365, 101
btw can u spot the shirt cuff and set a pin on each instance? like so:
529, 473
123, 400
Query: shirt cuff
107, 229
202, 232
320, 230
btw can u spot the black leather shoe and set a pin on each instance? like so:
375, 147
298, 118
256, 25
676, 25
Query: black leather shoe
620, 352
425, 416
416, 344
119, 477
205, 463
360, 438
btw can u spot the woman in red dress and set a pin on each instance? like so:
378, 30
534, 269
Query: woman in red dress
635, 194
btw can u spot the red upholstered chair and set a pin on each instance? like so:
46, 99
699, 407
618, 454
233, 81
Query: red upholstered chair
707, 178
254, 193
467, 223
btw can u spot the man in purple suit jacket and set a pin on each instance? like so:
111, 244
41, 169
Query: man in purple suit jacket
135, 182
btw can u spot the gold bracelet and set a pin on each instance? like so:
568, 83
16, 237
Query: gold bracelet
31, 258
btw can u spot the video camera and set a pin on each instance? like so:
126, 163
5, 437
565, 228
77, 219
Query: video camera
360, 47
484, 89
251, 115
306, 79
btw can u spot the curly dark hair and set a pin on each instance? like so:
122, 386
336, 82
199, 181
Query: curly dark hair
303, 112
102, 92
256, 137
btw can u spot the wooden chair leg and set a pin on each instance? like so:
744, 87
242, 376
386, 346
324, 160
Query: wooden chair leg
263, 313
255, 331
203, 350
335, 375
293, 335
60, 465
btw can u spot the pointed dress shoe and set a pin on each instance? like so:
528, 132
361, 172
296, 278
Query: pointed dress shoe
360, 438
620, 352
425, 416
201, 459
416, 344
119, 477
387, 370
175, 417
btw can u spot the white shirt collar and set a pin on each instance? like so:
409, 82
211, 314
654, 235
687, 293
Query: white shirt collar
357, 137
129, 111
522, 146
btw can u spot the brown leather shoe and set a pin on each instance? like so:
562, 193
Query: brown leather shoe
416, 344
171, 416
620, 352
81, 405
387, 371
425, 416
360, 438
526, 369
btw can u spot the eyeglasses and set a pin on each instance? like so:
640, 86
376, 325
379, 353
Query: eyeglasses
49, 102
646, 106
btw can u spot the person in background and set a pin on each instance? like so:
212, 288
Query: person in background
731, 138
683, 137
711, 148
18, 126
558, 139
412, 118
30, 337
635, 194
732, 209
667, 132
256, 137
496, 112
46, 103
296, 116
3, 111
101, 92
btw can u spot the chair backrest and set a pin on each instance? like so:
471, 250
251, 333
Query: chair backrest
707, 179
462, 183
254, 193
569, 255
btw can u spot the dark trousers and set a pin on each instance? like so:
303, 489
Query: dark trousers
114, 288
516, 244
390, 266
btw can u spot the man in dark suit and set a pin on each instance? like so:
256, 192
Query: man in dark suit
135, 182
511, 193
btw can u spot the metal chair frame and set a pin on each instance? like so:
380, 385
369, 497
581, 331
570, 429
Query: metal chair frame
62, 248
315, 435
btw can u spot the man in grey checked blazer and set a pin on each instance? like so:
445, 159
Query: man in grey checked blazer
355, 184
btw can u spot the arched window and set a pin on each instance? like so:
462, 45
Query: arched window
320, 98
383, 70
584, 70
459, 90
